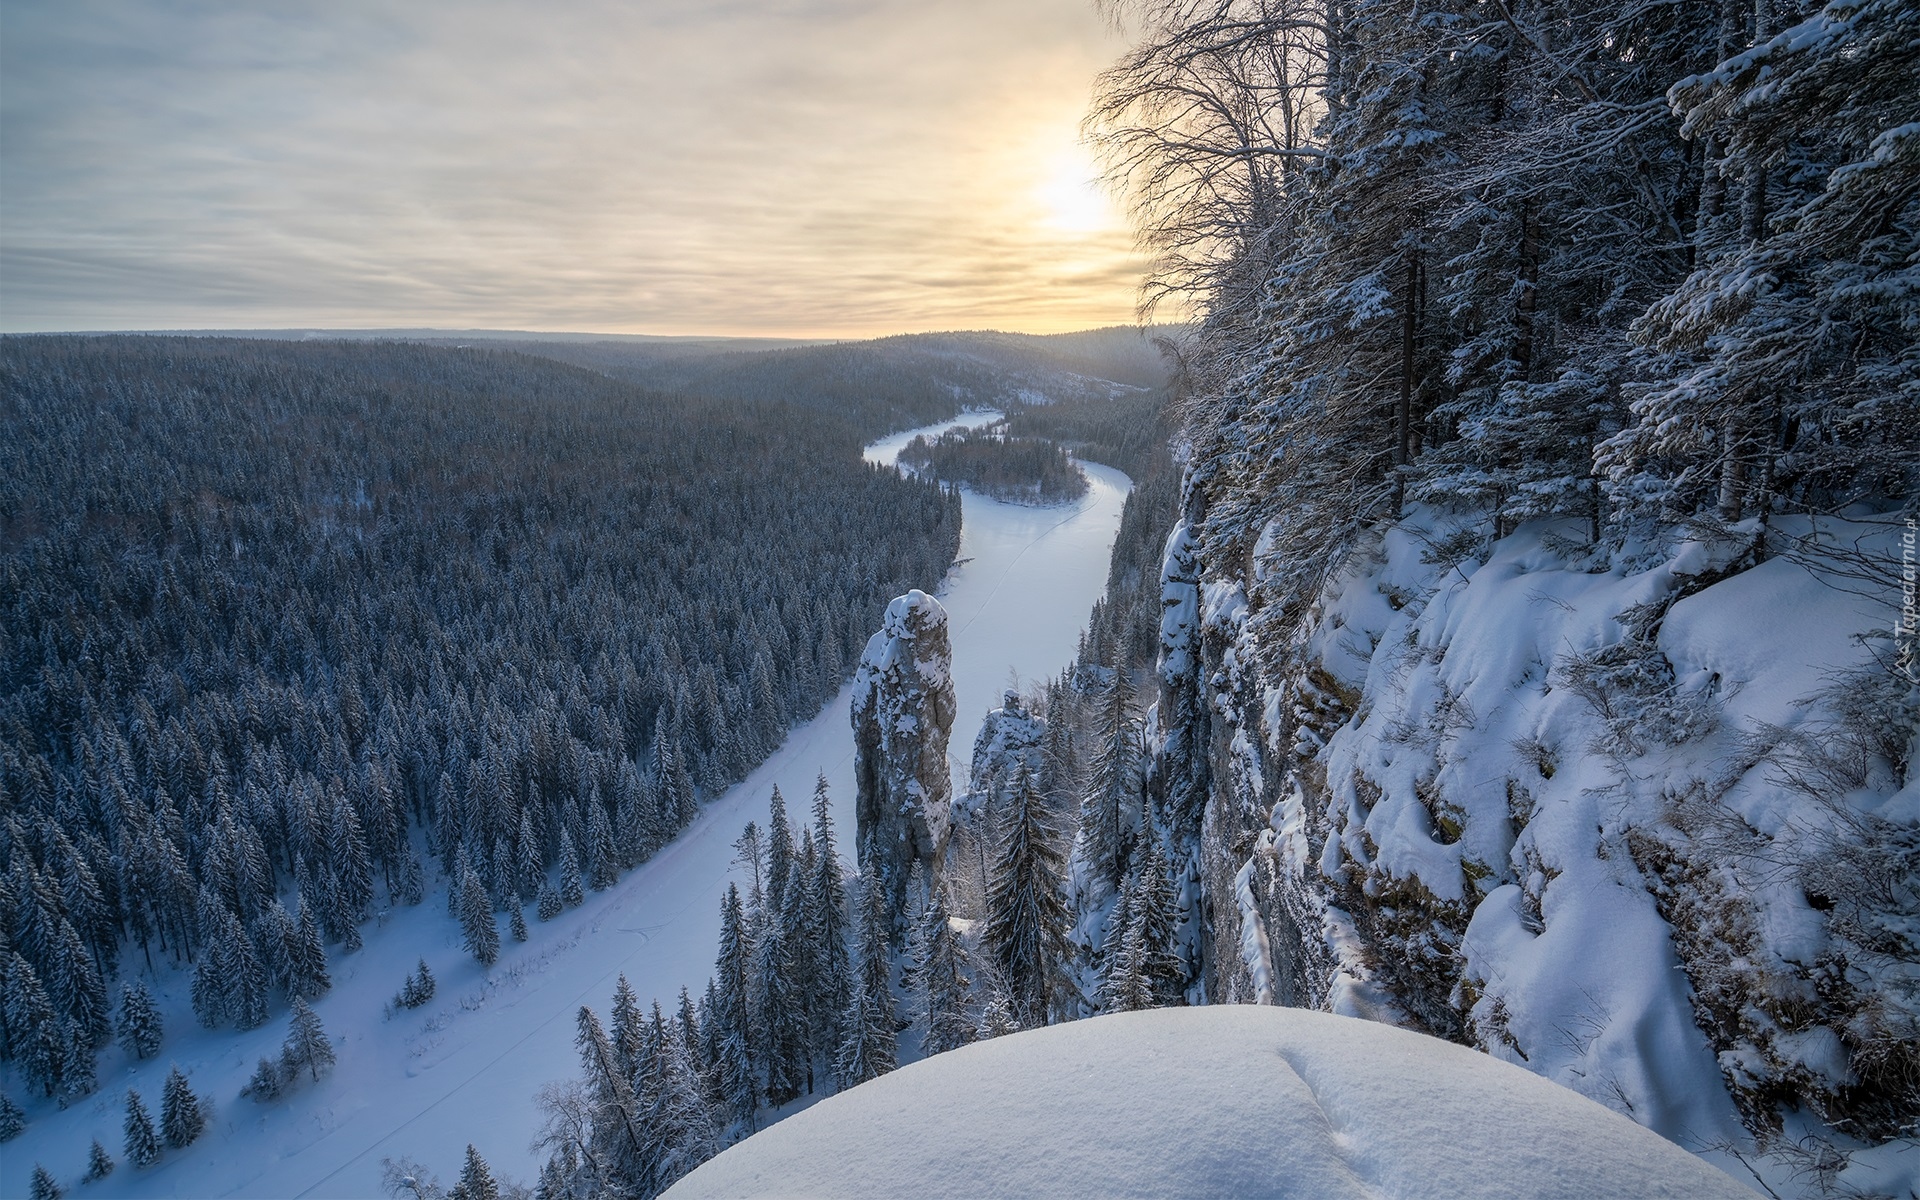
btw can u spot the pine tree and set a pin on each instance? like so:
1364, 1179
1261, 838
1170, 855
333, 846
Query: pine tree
1027, 915
826, 933
870, 1048
38, 1047
479, 933
307, 1045
180, 1117
140, 1025
550, 905
78, 1074
43, 1186
310, 977
142, 1146
570, 890
1112, 784
732, 1019
940, 985
267, 1082
996, 1017
780, 1016
679, 1115
100, 1164
517, 924
1126, 987
779, 852
1154, 923
12, 1120
247, 981
476, 1181
619, 1135
604, 871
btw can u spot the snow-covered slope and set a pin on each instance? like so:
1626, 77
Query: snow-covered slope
1228, 1101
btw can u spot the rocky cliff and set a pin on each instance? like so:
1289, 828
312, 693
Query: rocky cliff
903, 708
1640, 823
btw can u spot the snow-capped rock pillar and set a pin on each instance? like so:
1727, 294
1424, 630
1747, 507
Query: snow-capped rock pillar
903, 709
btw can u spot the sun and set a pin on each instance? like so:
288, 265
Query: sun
1070, 197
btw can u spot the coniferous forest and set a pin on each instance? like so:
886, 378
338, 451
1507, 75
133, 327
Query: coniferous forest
294, 631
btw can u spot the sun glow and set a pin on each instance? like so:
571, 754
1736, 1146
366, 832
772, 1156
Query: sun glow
1070, 197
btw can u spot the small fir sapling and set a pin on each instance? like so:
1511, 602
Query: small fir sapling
181, 1120
143, 1145
100, 1164
12, 1120
44, 1186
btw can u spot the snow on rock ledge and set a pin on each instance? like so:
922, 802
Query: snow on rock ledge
1235, 1101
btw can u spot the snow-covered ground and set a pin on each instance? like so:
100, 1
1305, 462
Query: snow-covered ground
466, 1067
1227, 1100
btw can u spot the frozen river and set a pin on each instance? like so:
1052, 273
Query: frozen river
466, 1067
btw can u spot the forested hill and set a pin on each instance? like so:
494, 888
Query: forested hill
889, 383
281, 616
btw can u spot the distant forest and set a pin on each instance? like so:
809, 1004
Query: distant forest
281, 617
1022, 470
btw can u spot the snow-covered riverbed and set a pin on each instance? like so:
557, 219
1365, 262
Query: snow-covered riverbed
466, 1067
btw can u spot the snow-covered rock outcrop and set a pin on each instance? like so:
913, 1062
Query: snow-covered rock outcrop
1643, 824
1218, 1101
903, 708
1011, 737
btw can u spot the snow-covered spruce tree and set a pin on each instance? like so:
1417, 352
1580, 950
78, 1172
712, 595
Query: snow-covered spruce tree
307, 1046
139, 1027
266, 1083
732, 1019
1125, 988
478, 931
780, 1014
180, 1117
826, 934
680, 1118
142, 1146
12, 1120
870, 1047
571, 891
476, 1180
627, 1030
34, 1029
100, 1164
1110, 802
1027, 914
1783, 369
78, 1066
1153, 922
617, 1133
310, 977
940, 988
549, 905
43, 1186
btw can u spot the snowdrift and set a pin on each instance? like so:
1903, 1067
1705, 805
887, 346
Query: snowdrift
1229, 1100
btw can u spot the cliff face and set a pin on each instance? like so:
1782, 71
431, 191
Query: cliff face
903, 708
1642, 825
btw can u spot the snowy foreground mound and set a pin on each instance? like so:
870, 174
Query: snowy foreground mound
1234, 1101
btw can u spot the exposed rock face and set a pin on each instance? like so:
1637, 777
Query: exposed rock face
1509, 792
1009, 737
903, 710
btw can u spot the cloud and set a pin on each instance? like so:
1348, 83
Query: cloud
828, 167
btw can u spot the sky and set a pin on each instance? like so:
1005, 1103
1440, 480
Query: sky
804, 168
